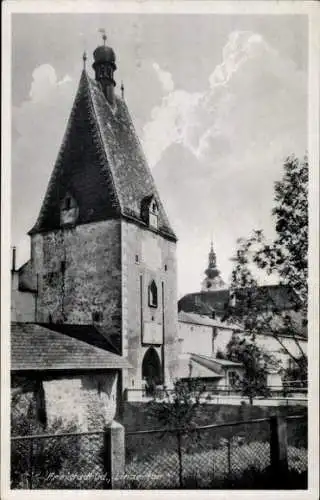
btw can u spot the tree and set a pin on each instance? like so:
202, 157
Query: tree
176, 409
273, 310
256, 363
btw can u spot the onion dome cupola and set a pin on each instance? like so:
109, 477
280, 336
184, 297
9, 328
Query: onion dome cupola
104, 67
212, 271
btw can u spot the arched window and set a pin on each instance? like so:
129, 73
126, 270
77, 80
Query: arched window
153, 294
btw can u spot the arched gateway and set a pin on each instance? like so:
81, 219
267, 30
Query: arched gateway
151, 369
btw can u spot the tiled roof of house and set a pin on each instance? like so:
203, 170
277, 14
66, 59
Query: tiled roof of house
93, 334
190, 368
199, 319
100, 164
280, 296
204, 302
217, 365
34, 347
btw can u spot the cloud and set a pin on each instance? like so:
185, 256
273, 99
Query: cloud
165, 78
169, 124
44, 82
237, 131
39, 120
249, 96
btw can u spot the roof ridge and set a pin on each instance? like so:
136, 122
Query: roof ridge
103, 143
141, 151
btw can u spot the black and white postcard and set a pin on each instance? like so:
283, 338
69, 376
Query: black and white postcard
160, 278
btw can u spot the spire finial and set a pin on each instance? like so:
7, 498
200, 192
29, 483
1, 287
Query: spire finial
84, 58
122, 89
104, 36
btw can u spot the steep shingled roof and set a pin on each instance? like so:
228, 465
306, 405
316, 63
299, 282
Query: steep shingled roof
101, 164
34, 347
283, 297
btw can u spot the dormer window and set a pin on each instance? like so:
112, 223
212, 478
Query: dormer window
153, 294
69, 210
153, 215
150, 211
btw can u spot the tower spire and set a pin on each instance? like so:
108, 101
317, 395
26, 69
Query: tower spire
104, 36
212, 280
84, 58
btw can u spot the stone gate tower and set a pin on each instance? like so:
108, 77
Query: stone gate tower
103, 253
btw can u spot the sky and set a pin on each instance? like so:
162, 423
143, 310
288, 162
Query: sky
218, 101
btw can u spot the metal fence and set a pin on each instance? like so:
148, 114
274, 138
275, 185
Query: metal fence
58, 461
297, 441
232, 455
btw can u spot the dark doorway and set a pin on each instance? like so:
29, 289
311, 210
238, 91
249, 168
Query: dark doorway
151, 370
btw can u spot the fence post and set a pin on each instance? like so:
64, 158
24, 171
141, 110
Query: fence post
180, 459
229, 456
278, 449
114, 456
31, 464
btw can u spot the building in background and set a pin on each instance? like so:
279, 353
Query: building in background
198, 337
214, 303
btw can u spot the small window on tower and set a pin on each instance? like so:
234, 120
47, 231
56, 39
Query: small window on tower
153, 214
150, 211
153, 294
69, 210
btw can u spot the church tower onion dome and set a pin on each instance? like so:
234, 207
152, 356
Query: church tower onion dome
212, 281
104, 54
104, 67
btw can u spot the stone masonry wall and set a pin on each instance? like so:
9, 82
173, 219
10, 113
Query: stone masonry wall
89, 401
147, 256
79, 274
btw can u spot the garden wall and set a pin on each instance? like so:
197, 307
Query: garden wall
137, 416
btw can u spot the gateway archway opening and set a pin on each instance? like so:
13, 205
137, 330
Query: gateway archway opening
151, 370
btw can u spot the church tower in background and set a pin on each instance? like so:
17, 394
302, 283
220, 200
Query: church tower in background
213, 280
103, 253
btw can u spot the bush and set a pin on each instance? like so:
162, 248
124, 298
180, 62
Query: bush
35, 459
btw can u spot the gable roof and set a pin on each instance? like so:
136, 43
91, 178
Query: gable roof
215, 364
101, 164
190, 368
34, 347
